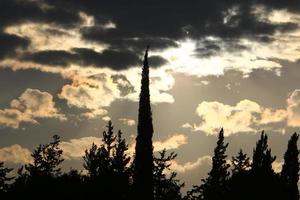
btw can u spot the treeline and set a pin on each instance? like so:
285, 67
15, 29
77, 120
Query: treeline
109, 174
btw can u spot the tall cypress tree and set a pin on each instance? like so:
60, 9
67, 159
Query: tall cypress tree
290, 168
143, 163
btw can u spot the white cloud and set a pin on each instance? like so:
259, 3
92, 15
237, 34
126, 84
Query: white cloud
15, 154
128, 122
293, 108
75, 148
245, 116
233, 119
172, 142
32, 104
182, 168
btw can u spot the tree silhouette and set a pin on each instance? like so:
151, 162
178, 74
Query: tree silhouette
143, 162
262, 158
4, 171
240, 163
260, 182
39, 177
46, 160
107, 166
290, 168
214, 186
165, 187
98, 160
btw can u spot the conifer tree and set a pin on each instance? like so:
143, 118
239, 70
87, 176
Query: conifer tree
214, 186
107, 166
165, 187
4, 171
240, 163
290, 168
98, 160
143, 162
262, 158
46, 160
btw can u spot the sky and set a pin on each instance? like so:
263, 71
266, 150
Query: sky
67, 67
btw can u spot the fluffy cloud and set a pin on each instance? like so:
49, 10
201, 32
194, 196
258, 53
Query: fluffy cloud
182, 168
245, 116
128, 122
92, 93
32, 104
15, 154
95, 90
293, 108
172, 142
233, 119
75, 148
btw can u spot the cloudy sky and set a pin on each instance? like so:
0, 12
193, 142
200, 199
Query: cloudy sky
67, 67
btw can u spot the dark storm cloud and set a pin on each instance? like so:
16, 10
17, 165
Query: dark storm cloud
51, 57
14, 12
174, 19
157, 61
9, 43
113, 59
116, 60
158, 23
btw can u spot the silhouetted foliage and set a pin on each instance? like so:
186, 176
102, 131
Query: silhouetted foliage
290, 168
214, 186
240, 163
262, 158
4, 171
46, 160
108, 166
40, 176
165, 187
259, 181
143, 162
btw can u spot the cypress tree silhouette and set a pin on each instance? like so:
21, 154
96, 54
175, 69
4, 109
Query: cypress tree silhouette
143, 162
290, 168
214, 186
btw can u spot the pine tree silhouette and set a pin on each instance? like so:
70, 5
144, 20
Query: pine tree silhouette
262, 158
4, 171
46, 160
214, 186
240, 163
290, 168
143, 162
165, 187
107, 166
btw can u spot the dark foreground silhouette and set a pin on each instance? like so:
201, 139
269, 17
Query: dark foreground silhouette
110, 174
